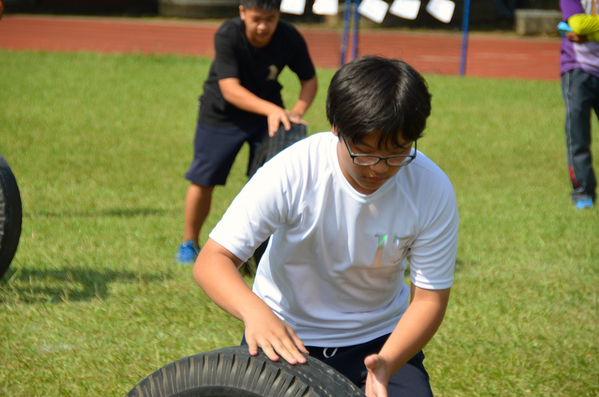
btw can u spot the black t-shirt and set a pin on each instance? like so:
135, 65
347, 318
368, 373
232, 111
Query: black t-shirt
256, 68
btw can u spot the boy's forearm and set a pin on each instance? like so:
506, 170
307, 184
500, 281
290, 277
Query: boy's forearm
585, 25
306, 97
416, 328
242, 98
216, 272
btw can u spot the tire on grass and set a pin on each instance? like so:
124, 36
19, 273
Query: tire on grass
10, 216
233, 372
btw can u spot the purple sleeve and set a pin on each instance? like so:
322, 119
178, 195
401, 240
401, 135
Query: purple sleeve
570, 7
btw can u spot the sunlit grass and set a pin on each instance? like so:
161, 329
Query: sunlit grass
93, 301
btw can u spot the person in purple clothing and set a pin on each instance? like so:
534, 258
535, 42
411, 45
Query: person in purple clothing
579, 66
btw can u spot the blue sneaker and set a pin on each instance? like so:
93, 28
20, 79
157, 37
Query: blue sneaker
586, 202
187, 253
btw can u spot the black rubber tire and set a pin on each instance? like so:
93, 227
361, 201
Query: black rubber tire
232, 371
271, 146
267, 150
11, 216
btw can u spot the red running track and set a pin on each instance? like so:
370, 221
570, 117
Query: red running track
487, 56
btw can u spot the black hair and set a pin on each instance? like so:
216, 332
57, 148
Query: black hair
265, 5
372, 94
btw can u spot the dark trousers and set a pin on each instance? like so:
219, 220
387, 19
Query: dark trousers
411, 380
581, 94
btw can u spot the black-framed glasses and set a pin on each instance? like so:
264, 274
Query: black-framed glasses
393, 161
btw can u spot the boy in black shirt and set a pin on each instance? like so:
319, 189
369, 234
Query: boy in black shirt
242, 102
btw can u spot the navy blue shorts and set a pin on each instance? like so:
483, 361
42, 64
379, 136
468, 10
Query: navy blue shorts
410, 380
215, 149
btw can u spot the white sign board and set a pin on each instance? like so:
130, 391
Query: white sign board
441, 9
296, 7
373, 9
325, 7
407, 9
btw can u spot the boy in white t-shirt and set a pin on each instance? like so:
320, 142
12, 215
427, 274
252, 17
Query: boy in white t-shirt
345, 209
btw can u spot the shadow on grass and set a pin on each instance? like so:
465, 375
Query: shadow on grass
114, 212
460, 264
26, 285
69, 284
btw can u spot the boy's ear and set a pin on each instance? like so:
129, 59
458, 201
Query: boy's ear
334, 130
242, 12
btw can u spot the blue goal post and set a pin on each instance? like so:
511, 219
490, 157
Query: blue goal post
421, 47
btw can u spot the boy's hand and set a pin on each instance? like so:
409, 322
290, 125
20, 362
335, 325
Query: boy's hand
573, 37
267, 331
275, 118
378, 376
295, 118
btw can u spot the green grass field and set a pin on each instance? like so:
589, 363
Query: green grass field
93, 301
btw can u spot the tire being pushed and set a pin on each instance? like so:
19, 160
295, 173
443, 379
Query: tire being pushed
233, 372
11, 216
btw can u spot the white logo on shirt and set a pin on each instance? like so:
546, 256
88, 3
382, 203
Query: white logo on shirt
273, 72
400, 248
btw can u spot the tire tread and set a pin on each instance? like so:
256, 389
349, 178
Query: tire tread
234, 367
11, 216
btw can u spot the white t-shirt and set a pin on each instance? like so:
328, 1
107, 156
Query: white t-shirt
334, 268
